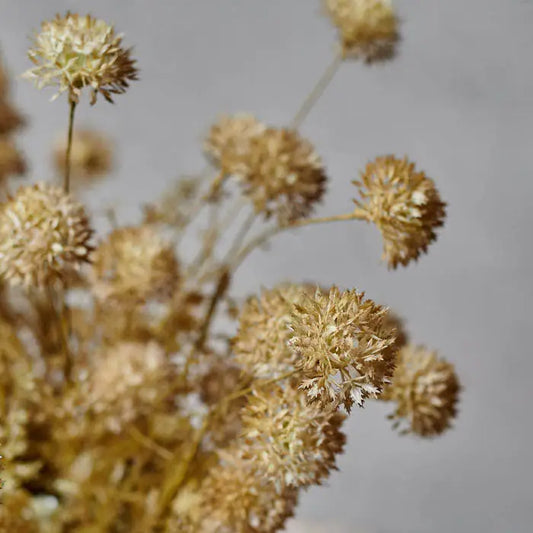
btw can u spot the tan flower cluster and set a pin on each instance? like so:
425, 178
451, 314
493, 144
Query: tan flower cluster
134, 263
343, 349
229, 139
425, 389
405, 206
44, 236
235, 499
368, 29
91, 156
126, 381
16, 515
73, 52
288, 440
11, 161
261, 346
279, 171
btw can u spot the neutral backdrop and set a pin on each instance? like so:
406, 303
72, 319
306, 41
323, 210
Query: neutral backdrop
458, 100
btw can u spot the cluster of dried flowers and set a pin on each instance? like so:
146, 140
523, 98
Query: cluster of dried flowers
127, 403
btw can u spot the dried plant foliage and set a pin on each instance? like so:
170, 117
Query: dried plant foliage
74, 52
368, 29
137, 393
425, 389
404, 204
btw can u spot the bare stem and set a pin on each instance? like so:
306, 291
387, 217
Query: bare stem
66, 182
317, 91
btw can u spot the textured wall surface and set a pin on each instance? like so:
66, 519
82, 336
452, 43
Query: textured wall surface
458, 100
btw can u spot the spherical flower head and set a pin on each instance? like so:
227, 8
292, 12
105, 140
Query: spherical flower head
74, 52
425, 389
229, 138
11, 161
236, 499
261, 345
404, 204
91, 156
44, 236
368, 29
126, 381
134, 263
290, 441
343, 349
10, 119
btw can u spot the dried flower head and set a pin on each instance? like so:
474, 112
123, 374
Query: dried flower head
44, 236
288, 440
74, 52
425, 389
91, 156
342, 347
134, 263
229, 139
16, 514
405, 206
368, 29
11, 161
261, 345
235, 499
282, 174
126, 381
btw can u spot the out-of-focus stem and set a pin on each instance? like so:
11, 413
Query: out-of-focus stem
66, 182
317, 91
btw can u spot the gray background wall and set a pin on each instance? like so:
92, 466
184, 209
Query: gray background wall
458, 100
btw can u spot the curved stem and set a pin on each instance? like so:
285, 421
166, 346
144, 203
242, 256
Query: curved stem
66, 182
317, 91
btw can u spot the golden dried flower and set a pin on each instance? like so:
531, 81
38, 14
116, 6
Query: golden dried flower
126, 381
261, 345
11, 160
44, 236
74, 52
91, 156
343, 348
405, 206
16, 514
288, 440
134, 263
229, 139
282, 174
368, 29
425, 389
235, 499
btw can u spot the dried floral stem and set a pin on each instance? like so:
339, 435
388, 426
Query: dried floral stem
264, 237
66, 183
149, 443
317, 91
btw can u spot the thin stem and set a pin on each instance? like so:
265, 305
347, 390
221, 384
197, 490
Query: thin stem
66, 182
317, 91
264, 237
240, 236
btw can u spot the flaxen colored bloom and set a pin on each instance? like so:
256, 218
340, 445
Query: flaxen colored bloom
368, 29
289, 440
261, 345
11, 160
74, 52
44, 236
405, 206
10, 119
91, 156
425, 389
126, 381
134, 263
343, 348
281, 174
236, 499
229, 139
